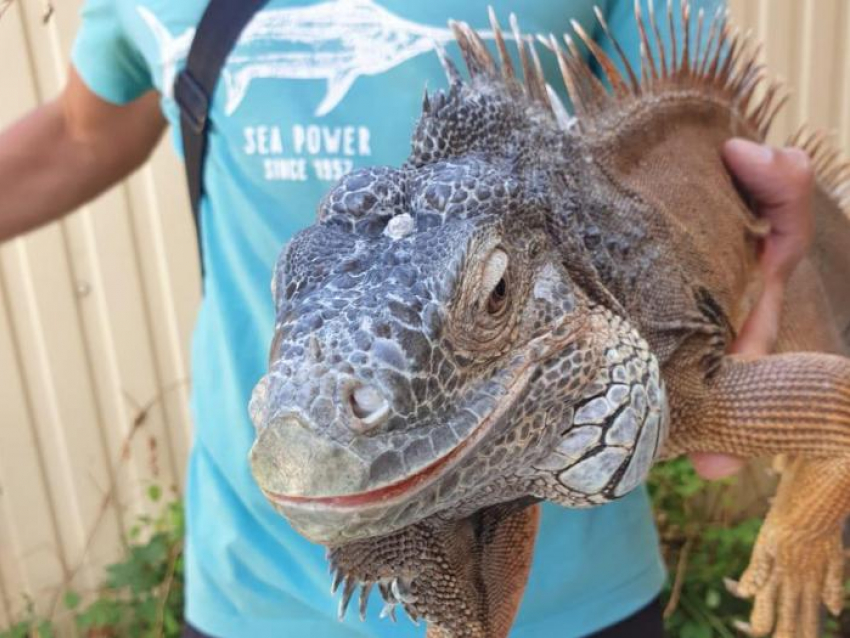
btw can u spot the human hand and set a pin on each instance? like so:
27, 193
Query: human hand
780, 184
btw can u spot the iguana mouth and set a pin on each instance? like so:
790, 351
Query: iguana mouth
380, 495
388, 494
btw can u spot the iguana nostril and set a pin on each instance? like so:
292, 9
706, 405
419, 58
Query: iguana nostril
369, 406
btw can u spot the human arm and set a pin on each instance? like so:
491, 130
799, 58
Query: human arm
68, 151
780, 184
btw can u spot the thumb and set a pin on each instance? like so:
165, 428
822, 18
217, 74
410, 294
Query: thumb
715, 466
772, 177
780, 183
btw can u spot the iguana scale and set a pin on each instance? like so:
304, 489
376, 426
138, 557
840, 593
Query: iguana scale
530, 308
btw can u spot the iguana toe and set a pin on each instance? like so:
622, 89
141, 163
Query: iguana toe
809, 611
833, 589
788, 617
758, 573
764, 609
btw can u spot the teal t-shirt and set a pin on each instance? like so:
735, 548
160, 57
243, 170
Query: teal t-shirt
311, 91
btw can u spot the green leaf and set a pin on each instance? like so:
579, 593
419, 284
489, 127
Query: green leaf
71, 600
154, 493
45, 630
695, 630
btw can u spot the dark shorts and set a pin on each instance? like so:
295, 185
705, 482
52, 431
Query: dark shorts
646, 623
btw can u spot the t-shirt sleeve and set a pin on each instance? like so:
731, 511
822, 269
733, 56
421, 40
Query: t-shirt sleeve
621, 20
105, 58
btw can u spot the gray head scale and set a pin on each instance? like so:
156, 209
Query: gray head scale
438, 349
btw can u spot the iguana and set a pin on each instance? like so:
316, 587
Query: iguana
531, 308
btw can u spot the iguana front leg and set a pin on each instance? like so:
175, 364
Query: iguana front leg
796, 404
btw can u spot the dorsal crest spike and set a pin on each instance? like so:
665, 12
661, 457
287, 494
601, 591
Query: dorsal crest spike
685, 64
505, 62
764, 106
736, 53
634, 82
767, 122
475, 54
481, 49
608, 66
698, 40
832, 169
722, 44
713, 38
566, 73
452, 74
649, 72
539, 79
525, 63
659, 41
592, 92
562, 117
674, 53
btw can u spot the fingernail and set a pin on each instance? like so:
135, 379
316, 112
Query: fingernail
753, 151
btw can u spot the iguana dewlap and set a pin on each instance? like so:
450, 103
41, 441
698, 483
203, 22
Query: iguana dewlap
528, 308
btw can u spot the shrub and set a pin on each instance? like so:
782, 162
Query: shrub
141, 596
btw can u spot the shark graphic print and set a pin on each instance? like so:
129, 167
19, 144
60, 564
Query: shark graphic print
335, 41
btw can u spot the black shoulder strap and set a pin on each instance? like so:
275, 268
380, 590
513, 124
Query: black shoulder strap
217, 33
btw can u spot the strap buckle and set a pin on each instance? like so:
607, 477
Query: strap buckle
193, 101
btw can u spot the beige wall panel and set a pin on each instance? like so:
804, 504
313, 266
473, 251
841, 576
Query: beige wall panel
165, 235
842, 79
30, 555
805, 43
96, 313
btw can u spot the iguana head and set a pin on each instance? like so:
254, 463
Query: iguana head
442, 343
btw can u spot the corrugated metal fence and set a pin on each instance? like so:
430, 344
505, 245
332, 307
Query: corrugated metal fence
96, 313
95, 317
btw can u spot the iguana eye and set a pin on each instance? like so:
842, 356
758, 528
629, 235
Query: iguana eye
498, 298
494, 281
